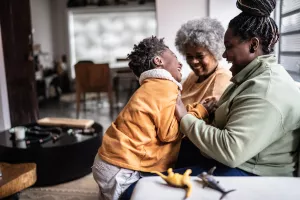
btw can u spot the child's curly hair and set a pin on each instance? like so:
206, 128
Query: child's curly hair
141, 58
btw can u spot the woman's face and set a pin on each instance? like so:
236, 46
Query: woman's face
201, 61
237, 52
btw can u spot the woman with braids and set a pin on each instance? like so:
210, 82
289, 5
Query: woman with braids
256, 127
145, 135
201, 42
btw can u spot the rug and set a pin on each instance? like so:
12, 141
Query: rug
84, 188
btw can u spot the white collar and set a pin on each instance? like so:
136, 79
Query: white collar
158, 73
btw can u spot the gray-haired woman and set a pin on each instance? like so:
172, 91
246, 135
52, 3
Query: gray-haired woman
201, 41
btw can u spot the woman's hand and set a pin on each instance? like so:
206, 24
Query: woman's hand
210, 104
180, 109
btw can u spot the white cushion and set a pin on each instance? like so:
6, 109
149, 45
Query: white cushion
258, 188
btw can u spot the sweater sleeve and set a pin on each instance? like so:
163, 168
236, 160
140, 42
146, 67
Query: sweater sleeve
198, 110
167, 124
252, 125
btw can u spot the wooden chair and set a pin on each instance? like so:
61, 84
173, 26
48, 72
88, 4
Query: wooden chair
92, 78
127, 75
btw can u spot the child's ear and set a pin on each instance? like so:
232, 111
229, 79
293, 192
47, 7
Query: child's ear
158, 62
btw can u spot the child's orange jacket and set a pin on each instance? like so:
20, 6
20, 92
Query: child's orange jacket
145, 135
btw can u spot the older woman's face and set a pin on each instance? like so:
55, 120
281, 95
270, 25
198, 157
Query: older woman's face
201, 61
237, 52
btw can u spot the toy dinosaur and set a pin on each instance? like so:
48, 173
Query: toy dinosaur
208, 180
178, 180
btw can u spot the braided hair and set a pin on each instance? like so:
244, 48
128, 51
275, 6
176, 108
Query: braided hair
141, 58
255, 21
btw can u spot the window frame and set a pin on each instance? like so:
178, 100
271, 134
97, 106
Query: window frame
279, 16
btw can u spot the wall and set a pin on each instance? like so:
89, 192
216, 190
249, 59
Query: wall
60, 27
42, 24
4, 106
223, 10
171, 14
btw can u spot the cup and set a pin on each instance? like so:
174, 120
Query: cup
21, 144
20, 132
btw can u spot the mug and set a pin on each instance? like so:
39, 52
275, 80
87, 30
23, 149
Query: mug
20, 132
21, 144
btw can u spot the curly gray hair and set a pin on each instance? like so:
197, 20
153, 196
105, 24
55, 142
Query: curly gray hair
205, 32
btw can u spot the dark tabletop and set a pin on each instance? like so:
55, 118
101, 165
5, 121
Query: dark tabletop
7, 138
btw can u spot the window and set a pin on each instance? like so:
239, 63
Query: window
289, 46
104, 35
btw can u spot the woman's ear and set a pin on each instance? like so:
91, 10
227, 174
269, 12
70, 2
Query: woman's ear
254, 44
157, 61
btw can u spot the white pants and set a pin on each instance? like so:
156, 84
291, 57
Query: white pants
112, 180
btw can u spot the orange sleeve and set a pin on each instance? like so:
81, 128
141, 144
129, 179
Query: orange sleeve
198, 110
167, 124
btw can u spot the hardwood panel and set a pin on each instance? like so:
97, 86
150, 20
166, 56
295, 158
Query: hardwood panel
15, 23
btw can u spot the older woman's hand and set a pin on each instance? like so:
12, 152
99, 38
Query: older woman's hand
210, 103
180, 109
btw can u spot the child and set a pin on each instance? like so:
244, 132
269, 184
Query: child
145, 135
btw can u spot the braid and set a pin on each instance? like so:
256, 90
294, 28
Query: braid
255, 21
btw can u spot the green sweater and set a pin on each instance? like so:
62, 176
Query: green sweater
256, 127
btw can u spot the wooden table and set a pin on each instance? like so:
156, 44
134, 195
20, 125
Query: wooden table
252, 188
16, 177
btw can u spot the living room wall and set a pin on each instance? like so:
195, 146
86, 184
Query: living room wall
42, 24
49, 23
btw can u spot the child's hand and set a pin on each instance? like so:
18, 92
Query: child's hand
210, 104
180, 109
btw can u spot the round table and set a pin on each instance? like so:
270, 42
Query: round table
66, 159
